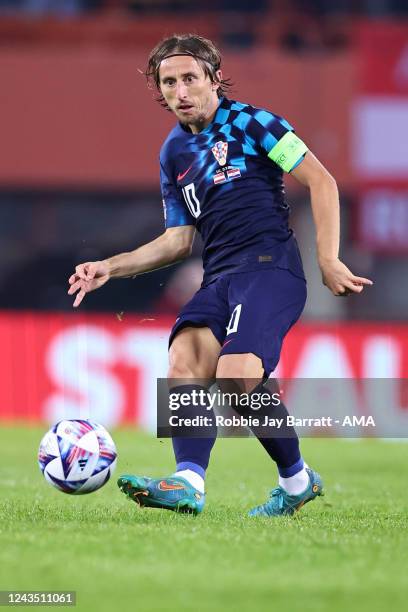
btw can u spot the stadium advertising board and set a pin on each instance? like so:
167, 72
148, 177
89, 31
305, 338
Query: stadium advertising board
106, 367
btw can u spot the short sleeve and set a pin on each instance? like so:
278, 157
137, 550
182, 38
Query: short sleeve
275, 137
175, 209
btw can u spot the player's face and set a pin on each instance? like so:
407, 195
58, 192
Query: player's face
188, 91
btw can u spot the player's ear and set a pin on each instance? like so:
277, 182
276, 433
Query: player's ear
217, 80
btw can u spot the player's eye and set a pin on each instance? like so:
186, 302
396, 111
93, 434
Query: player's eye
189, 79
169, 82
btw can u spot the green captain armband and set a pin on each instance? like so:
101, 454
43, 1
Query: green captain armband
287, 151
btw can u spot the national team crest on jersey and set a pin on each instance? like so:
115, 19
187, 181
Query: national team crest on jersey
220, 150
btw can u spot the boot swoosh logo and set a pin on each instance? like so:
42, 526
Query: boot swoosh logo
165, 486
183, 174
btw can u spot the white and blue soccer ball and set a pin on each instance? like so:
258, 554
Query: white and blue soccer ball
77, 456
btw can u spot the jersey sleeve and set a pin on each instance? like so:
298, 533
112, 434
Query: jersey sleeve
175, 209
275, 138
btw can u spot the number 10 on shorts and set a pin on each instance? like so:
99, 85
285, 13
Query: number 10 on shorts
234, 320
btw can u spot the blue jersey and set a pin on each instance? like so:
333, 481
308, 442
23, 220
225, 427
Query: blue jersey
227, 181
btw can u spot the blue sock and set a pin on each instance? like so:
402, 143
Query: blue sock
287, 472
284, 450
192, 453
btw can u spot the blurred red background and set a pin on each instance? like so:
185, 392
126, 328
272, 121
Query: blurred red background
80, 139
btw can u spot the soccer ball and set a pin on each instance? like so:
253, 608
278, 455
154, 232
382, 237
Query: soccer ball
77, 456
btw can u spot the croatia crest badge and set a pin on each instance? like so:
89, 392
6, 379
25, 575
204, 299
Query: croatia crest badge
220, 150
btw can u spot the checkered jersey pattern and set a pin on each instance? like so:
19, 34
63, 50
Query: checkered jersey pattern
223, 182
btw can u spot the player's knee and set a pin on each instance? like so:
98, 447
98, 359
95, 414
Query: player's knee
241, 365
181, 361
245, 370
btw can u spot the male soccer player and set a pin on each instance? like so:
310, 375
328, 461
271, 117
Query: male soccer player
222, 174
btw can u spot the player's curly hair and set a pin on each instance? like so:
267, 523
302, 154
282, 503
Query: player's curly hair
202, 49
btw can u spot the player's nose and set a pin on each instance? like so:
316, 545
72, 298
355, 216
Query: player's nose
181, 90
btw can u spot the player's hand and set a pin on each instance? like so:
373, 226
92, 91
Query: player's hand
340, 280
88, 277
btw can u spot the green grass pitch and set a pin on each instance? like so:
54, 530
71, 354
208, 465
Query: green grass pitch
347, 551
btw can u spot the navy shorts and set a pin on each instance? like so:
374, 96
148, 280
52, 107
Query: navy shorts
248, 312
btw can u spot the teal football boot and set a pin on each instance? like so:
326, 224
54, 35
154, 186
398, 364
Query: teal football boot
281, 503
171, 493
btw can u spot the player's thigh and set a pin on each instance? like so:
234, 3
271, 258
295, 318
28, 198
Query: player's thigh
193, 353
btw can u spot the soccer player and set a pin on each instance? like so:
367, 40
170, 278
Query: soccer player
222, 174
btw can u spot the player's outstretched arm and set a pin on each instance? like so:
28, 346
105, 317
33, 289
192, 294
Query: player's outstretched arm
326, 214
172, 246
